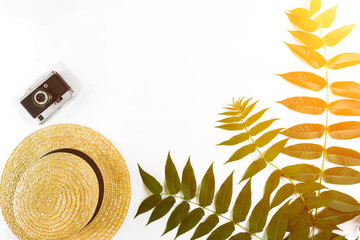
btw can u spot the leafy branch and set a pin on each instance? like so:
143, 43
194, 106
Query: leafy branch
304, 206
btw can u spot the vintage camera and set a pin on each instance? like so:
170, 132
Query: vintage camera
46, 97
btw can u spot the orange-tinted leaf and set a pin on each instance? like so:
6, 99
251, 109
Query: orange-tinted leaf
302, 172
326, 18
315, 6
305, 79
334, 37
310, 56
345, 107
302, 22
344, 60
346, 89
345, 130
341, 175
308, 105
305, 131
301, 12
343, 156
308, 39
304, 151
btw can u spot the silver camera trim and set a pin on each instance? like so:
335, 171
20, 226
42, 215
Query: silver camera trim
53, 108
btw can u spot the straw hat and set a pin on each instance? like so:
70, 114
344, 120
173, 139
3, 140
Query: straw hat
65, 182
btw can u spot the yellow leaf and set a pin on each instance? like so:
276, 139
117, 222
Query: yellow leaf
334, 37
345, 130
308, 105
310, 56
301, 12
305, 79
308, 39
315, 6
344, 60
345, 107
346, 89
326, 18
305, 131
306, 151
302, 22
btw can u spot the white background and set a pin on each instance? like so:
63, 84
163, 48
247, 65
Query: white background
152, 75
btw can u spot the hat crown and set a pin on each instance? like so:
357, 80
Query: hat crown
56, 197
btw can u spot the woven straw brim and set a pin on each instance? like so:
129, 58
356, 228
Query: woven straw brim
117, 193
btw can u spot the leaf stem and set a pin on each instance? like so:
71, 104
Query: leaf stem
263, 156
327, 112
220, 215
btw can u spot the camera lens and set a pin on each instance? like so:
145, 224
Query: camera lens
41, 97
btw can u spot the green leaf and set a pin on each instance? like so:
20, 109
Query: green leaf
307, 105
248, 110
252, 119
236, 139
259, 215
254, 168
207, 189
335, 217
272, 182
188, 183
346, 89
297, 209
343, 156
177, 216
326, 18
241, 236
341, 175
161, 209
190, 221
282, 194
242, 152
148, 204
150, 182
310, 40
323, 235
306, 80
206, 226
224, 195
305, 131
334, 37
275, 150
345, 107
340, 201
345, 130
315, 6
301, 229
308, 55
171, 176
278, 224
242, 204
267, 137
222, 232
304, 151
302, 172
261, 126
344, 60
309, 187
232, 126
317, 202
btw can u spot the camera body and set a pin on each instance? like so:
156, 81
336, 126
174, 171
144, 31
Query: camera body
46, 97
